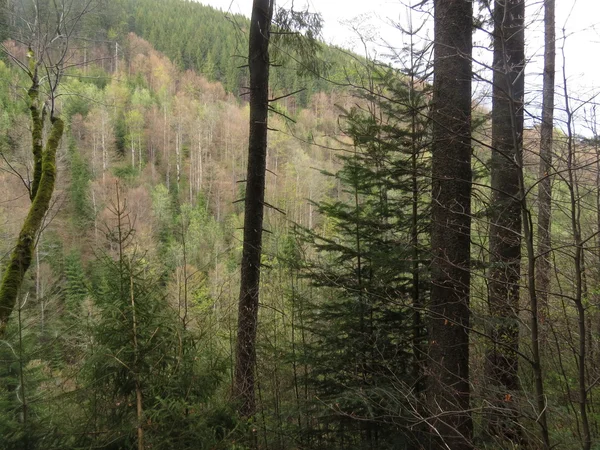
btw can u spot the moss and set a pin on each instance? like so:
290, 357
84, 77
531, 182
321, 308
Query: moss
22, 254
37, 121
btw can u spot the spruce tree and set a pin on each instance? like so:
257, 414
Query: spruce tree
147, 383
365, 320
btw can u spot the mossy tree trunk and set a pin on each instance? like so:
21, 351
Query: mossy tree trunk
42, 188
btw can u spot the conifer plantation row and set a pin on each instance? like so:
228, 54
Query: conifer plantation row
217, 232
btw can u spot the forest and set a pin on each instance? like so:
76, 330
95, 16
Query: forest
219, 232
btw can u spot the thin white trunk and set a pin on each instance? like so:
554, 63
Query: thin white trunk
140, 152
191, 177
94, 151
200, 167
178, 154
132, 153
104, 152
166, 149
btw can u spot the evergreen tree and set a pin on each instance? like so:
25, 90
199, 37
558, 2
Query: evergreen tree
365, 321
259, 65
81, 208
148, 385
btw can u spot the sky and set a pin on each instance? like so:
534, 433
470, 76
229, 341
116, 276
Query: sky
577, 23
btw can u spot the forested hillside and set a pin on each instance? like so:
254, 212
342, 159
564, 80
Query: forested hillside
214, 44
428, 267
147, 197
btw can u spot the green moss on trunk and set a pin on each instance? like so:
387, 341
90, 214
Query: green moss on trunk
22, 254
37, 122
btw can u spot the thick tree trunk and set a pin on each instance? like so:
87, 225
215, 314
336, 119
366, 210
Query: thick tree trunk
546, 139
258, 60
505, 229
448, 391
41, 193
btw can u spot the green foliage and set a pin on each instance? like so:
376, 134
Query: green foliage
365, 323
13, 432
28, 396
76, 290
82, 211
126, 173
145, 355
214, 44
164, 211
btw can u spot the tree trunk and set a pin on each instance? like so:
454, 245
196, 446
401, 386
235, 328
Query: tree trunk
104, 149
41, 194
448, 390
258, 61
178, 145
138, 387
546, 139
579, 298
505, 228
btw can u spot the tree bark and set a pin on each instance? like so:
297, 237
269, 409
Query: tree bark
505, 228
449, 393
258, 61
546, 140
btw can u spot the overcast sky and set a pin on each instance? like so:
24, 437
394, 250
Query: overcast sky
375, 18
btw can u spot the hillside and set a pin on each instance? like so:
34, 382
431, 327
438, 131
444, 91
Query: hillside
212, 43
426, 275
166, 148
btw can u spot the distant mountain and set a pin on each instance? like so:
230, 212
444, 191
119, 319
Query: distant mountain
211, 42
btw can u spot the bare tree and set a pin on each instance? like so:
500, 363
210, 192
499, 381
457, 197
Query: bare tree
547, 130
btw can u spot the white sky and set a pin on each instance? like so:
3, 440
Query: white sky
579, 18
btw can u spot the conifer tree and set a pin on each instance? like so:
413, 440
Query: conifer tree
258, 61
365, 319
146, 382
300, 30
